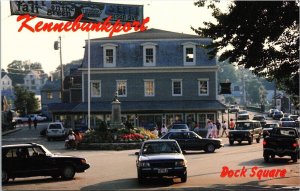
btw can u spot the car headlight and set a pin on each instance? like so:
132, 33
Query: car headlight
181, 163
144, 164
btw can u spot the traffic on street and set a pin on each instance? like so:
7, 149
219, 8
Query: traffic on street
231, 167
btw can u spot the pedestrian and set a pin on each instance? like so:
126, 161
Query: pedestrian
155, 132
224, 127
197, 129
35, 123
29, 122
231, 124
163, 130
214, 130
209, 127
218, 124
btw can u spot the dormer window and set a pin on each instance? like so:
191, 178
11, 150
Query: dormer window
149, 54
189, 53
109, 55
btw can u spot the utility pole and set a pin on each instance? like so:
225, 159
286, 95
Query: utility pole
57, 45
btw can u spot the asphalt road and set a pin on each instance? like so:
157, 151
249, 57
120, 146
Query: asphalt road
115, 170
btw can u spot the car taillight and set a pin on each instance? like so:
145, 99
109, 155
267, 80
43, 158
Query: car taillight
295, 144
264, 142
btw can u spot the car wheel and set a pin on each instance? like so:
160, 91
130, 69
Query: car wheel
184, 177
210, 148
294, 157
5, 177
240, 142
267, 158
68, 172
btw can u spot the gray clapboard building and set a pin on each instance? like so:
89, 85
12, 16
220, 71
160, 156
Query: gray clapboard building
160, 77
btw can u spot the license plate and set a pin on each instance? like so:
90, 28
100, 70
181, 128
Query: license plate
162, 170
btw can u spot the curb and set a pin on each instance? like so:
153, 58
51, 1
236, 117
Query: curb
10, 131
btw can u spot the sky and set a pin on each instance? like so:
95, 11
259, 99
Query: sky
170, 15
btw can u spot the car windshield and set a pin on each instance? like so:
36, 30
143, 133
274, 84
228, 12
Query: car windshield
160, 147
243, 126
54, 126
284, 132
181, 126
258, 118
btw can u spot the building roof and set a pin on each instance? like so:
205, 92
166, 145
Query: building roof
143, 106
151, 34
51, 86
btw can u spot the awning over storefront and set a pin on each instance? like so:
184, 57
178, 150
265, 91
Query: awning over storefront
140, 106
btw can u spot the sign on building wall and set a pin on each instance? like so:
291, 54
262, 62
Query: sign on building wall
70, 10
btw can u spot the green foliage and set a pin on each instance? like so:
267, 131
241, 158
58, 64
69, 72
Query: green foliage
25, 101
262, 35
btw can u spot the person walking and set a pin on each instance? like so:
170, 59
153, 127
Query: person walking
214, 130
209, 127
224, 127
29, 122
35, 123
163, 130
218, 124
231, 124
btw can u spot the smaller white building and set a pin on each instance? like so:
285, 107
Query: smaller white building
6, 83
34, 81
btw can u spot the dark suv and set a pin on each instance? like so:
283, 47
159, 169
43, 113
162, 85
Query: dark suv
246, 130
27, 160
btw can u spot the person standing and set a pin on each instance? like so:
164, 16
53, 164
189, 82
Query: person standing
29, 122
231, 124
214, 130
163, 130
218, 124
209, 129
224, 127
35, 123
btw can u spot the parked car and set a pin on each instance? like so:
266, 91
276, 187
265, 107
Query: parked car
55, 130
159, 158
234, 108
31, 159
150, 126
20, 119
286, 122
246, 130
277, 114
282, 142
271, 112
178, 127
268, 128
261, 118
242, 115
189, 140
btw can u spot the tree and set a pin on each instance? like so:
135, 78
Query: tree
261, 35
227, 72
25, 101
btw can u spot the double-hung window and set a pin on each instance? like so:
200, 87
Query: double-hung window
122, 88
109, 55
95, 88
203, 87
149, 87
177, 87
149, 54
189, 53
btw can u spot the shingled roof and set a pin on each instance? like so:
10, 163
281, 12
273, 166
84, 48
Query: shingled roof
151, 34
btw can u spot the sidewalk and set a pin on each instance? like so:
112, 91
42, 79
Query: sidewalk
11, 131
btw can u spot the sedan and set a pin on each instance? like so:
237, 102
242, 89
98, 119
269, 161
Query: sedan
31, 159
161, 158
179, 127
189, 140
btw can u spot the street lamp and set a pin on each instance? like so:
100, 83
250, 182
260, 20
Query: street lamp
57, 45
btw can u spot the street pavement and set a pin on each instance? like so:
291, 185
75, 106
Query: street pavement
116, 170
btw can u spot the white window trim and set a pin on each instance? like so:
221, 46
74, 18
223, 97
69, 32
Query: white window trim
146, 46
96, 81
125, 88
189, 45
149, 80
176, 80
203, 79
113, 47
